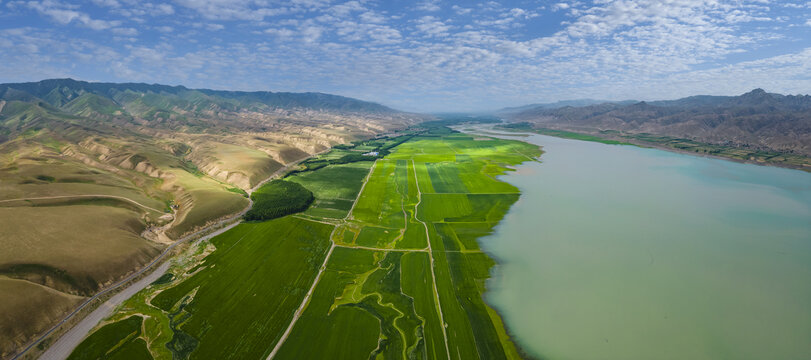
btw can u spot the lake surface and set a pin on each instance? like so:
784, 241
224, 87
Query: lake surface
619, 252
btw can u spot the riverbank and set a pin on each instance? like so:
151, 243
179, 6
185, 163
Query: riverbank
621, 252
684, 146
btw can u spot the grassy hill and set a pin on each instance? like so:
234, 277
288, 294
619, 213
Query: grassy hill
96, 179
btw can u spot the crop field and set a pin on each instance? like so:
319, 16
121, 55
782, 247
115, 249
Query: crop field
124, 334
335, 187
238, 299
397, 275
437, 189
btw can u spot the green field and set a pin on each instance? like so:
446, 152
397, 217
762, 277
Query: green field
278, 198
125, 334
382, 269
335, 187
236, 301
404, 277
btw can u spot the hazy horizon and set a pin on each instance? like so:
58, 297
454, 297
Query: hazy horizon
482, 111
432, 56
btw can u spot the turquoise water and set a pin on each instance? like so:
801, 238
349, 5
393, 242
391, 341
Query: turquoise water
619, 252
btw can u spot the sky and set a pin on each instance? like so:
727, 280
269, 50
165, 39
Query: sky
428, 56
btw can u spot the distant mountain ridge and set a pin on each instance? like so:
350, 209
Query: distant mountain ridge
560, 104
58, 92
756, 119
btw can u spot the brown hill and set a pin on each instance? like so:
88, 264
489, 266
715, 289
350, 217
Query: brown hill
755, 120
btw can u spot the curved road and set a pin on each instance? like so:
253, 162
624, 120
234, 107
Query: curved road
71, 339
62, 348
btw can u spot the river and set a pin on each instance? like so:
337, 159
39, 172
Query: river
620, 252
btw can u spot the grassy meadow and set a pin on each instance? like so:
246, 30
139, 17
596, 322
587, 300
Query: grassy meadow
403, 274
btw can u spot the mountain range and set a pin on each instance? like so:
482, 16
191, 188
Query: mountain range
755, 120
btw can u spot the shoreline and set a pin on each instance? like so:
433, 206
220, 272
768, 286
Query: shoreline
648, 145
521, 213
519, 348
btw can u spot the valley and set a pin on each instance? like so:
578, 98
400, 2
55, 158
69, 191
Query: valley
97, 180
152, 222
421, 180
387, 264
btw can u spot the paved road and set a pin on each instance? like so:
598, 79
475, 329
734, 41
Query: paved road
65, 345
62, 348
67, 342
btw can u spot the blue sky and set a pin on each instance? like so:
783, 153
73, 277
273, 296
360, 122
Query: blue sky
419, 56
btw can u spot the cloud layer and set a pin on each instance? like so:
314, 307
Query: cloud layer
429, 55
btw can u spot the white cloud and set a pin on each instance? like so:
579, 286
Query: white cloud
806, 5
409, 58
107, 3
255, 10
125, 31
460, 10
346, 9
429, 5
282, 33
508, 18
560, 6
65, 14
432, 26
312, 34
372, 17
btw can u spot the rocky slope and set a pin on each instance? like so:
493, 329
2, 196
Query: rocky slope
755, 120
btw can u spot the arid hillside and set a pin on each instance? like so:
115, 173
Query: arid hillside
97, 179
756, 120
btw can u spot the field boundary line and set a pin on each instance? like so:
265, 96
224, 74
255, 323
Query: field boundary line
306, 300
378, 249
430, 256
365, 181
307, 297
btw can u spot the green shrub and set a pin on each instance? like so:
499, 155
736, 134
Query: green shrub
278, 198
